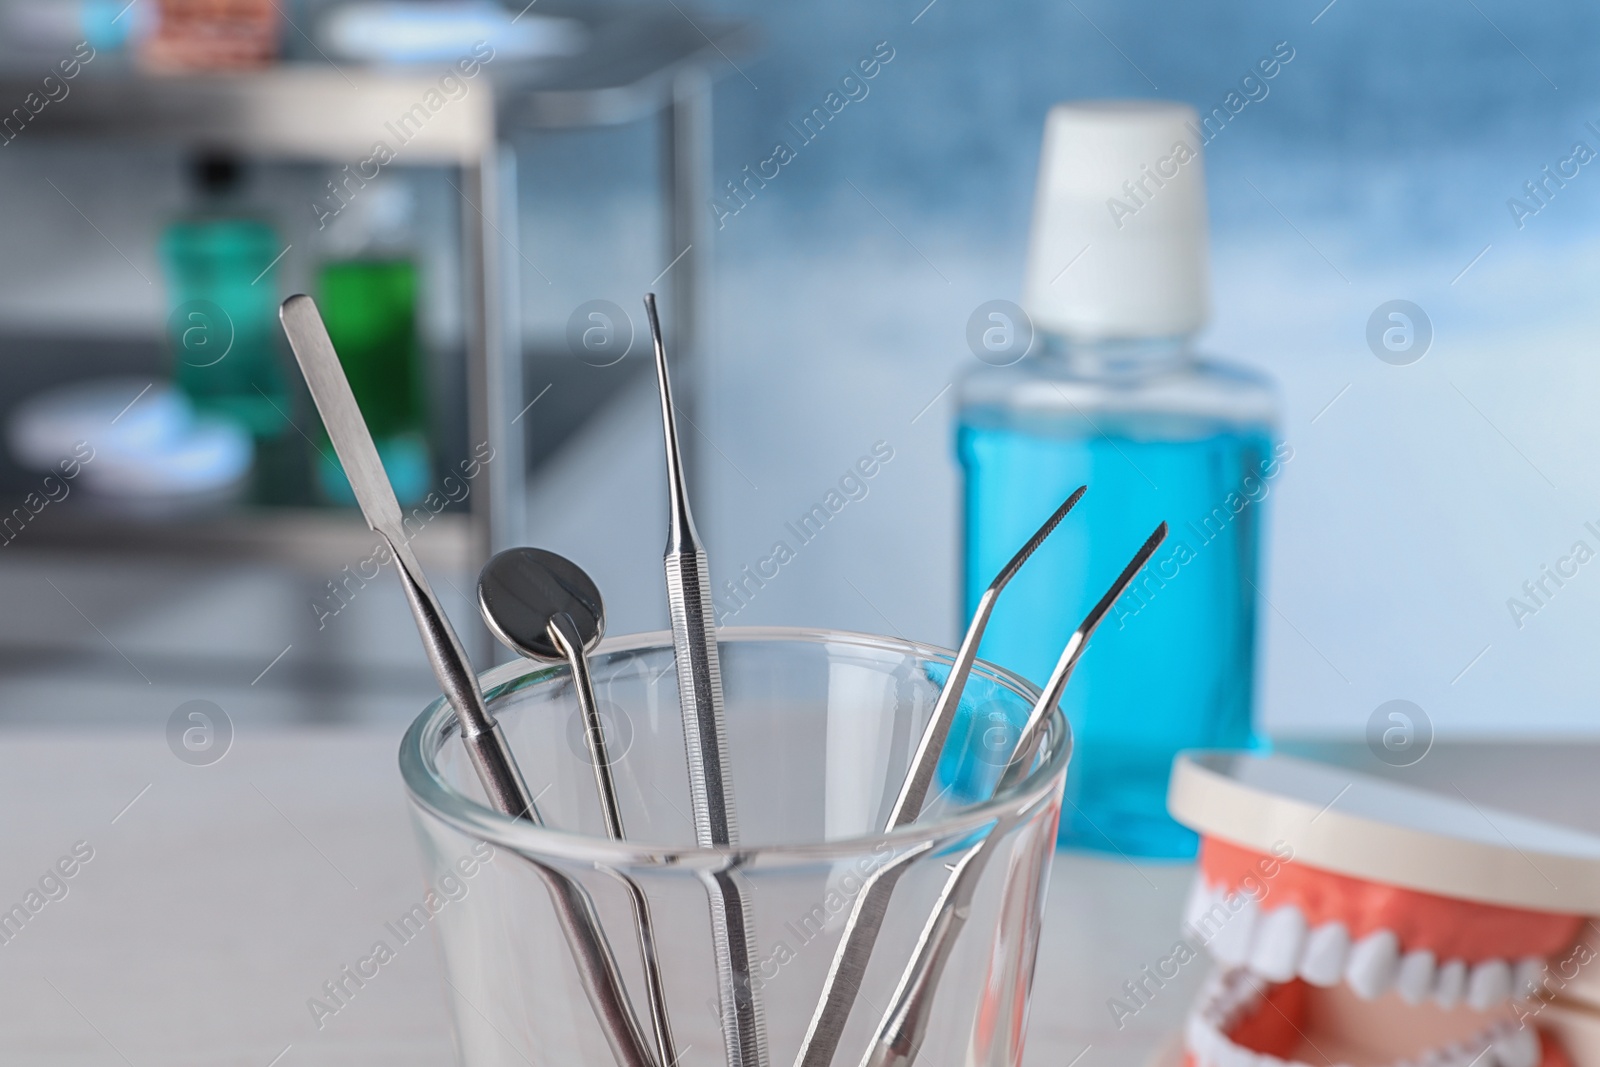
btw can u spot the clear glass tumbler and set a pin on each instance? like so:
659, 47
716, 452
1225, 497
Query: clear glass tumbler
821, 728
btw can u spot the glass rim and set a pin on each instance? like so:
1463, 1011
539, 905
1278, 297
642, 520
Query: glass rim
431, 793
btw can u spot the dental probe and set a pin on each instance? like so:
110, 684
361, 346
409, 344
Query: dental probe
694, 644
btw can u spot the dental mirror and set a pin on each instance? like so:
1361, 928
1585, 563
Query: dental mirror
522, 589
546, 607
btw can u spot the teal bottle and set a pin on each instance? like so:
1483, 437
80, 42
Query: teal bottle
1112, 394
221, 263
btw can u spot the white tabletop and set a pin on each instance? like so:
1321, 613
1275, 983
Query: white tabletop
220, 898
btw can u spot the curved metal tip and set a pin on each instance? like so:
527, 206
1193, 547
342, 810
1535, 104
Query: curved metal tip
1010, 570
1118, 587
1032, 731
930, 748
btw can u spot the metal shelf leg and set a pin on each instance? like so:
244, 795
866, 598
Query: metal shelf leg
494, 358
686, 135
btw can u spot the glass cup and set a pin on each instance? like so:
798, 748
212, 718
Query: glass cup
821, 727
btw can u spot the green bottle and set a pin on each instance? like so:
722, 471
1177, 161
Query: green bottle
367, 291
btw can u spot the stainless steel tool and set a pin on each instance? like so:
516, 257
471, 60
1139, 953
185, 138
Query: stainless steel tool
491, 757
536, 602
545, 607
914, 790
694, 643
480, 733
905, 1025
842, 985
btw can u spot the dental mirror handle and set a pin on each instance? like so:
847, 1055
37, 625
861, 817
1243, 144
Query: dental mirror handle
565, 636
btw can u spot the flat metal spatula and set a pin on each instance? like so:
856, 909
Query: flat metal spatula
486, 744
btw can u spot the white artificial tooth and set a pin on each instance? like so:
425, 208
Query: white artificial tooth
1197, 1035
1280, 937
1249, 991
1322, 962
1372, 963
1200, 900
1231, 943
1528, 977
1213, 1048
1449, 984
1414, 979
1518, 1047
1488, 985
1239, 1056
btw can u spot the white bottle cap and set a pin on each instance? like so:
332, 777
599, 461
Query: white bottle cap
1119, 248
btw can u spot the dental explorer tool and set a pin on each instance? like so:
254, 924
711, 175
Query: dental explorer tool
843, 982
485, 743
914, 790
694, 644
904, 1027
547, 608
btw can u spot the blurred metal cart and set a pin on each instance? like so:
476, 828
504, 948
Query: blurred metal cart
638, 65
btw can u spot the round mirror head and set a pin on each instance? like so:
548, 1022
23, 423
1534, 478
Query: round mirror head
521, 588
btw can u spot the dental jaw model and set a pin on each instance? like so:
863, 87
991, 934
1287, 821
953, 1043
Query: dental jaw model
1361, 923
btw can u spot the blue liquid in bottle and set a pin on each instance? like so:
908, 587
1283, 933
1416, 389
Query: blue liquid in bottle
1156, 436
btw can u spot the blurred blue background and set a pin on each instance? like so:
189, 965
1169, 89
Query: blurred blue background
1378, 167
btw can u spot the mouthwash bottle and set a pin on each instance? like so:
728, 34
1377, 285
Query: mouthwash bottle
220, 262
1112, 394
367, 290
